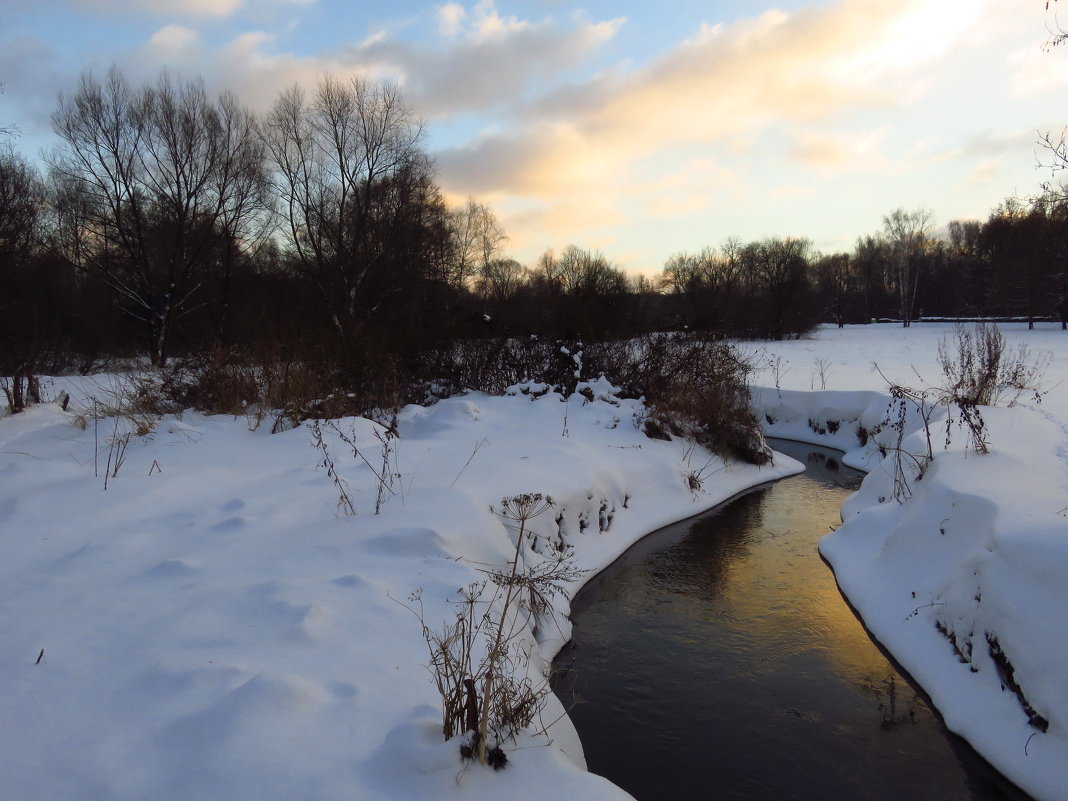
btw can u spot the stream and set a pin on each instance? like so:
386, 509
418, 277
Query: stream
716, 659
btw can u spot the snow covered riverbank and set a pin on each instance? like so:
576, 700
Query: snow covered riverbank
964, 581
213, 626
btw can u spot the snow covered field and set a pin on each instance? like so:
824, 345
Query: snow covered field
211, 625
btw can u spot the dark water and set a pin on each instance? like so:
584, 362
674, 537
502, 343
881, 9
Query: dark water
717, 659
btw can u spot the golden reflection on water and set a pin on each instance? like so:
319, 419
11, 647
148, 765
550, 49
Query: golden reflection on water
719, 653
754, 564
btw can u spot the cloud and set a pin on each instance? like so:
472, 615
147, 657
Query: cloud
193, 8
793, 191
829, 152
489, 25
992, 146
588, 220
489, 61
450, 18
246, 64
482, 61
724, 82
29, 92
565, 151
984, 172
1038, 71
173, 38
181, 8
723, 89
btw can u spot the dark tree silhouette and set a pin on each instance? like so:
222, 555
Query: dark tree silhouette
22, 314
159, 186
358, 205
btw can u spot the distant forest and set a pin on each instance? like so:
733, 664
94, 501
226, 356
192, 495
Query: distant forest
168, 223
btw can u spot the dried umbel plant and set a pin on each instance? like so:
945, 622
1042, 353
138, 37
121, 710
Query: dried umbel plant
494, 697
982, 371
344, 502
519, 509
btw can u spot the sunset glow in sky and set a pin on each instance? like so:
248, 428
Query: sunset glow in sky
640, 129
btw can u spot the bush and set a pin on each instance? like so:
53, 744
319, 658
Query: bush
278, 389
694, 384
697, 387
983, 372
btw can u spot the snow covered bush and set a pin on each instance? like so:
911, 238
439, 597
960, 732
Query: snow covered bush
694, 383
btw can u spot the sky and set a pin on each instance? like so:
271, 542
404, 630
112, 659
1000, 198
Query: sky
638, 129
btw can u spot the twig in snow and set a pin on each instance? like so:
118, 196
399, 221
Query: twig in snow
478, 445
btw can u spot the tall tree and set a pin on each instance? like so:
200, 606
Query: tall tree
835, 284
908, 236
777, 269
356, 196
22, 235
157, 181
477, 238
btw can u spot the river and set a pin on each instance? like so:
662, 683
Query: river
716, 659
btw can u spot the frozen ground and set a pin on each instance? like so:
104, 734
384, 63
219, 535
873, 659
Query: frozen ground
213, 626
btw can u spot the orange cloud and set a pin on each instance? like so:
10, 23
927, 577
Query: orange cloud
829, 153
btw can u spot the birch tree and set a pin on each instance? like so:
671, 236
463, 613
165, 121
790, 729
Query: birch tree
908, 235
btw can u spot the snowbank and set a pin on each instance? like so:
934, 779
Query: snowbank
964, 581
213, 626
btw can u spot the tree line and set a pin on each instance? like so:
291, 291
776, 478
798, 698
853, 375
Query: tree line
169, 221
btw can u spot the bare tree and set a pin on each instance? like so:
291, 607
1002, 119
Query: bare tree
500, 280
586, 273
355, 191
1057, 34
22, 208
689, 272
970, 268
477, 238
777, 271
22, 221
835, 283
160, 185
908, 236
7, 130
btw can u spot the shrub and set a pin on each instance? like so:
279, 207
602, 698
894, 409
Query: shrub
984, 372
697, 387
275, 388
694, 384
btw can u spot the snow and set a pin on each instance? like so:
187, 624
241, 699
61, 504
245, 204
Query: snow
213, 625
974, 562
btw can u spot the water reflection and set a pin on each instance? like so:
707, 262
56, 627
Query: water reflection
717, 659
